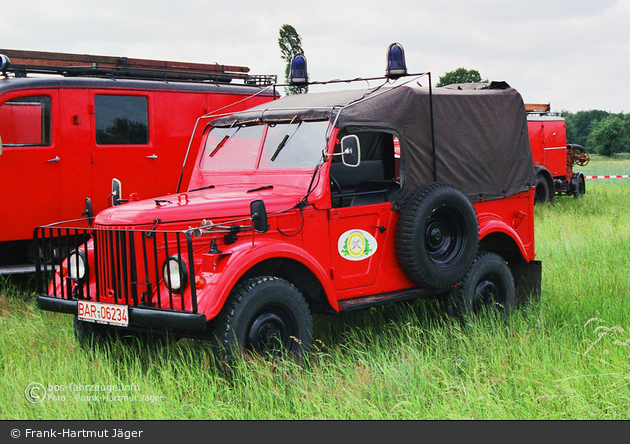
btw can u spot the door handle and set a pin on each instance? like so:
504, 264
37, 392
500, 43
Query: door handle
56, 159
152, 156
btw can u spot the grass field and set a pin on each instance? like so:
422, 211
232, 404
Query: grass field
566, 357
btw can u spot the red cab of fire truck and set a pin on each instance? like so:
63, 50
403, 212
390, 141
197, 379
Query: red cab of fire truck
294, 207
70, 123
553, 157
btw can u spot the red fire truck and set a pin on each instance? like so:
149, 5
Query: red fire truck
70, 123
295, 207
554, 158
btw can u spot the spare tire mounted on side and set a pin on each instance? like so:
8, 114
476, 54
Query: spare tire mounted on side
437, 235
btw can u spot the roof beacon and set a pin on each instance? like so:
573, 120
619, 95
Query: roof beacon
298, 75
396, 65
4, 63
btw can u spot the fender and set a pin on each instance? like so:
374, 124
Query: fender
544, 172
219, 285
493, 225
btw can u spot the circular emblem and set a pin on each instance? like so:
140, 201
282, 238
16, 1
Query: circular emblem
356, 245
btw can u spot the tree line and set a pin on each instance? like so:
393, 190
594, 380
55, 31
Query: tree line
599, 131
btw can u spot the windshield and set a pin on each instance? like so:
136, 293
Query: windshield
285, 145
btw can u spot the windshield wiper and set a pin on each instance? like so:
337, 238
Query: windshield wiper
280, 146
219, 145
222, 142
285, 139
207, 187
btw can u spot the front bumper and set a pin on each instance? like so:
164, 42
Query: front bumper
146, 317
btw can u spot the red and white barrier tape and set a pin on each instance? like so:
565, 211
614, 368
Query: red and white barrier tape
619, 176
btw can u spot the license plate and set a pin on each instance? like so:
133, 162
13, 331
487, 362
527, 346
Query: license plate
104, 313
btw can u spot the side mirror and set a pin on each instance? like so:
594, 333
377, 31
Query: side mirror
116, 192
89, 212
259, 215
351, 151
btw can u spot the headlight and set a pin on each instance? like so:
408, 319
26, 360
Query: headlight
175, 274
77, 266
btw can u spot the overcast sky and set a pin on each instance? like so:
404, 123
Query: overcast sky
572, 54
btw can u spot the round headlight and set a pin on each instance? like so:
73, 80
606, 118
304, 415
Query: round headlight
77, 266
175, 274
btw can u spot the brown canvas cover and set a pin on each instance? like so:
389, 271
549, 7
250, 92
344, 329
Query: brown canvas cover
481, 138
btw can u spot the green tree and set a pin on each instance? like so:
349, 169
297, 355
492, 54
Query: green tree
460, 75
608, 136
290, 44
580, 125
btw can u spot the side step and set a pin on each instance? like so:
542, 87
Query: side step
383, 299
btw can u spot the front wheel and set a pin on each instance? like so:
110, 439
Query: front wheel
266, 316
489, 284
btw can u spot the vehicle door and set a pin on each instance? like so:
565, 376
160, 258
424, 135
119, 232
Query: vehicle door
361, 208
123, 144
29, 162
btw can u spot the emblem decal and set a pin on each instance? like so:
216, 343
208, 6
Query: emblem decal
356, 245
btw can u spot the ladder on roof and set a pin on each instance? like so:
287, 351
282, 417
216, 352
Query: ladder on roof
20, 63
537, 107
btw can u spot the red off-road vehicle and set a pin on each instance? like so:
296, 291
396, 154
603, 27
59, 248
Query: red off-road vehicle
295, 207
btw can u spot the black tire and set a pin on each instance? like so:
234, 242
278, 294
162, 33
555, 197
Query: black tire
266, 316
579, 187
488, 284
543, 190
437, 236
90, 334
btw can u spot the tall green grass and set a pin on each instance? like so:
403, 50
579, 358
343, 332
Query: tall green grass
566, 357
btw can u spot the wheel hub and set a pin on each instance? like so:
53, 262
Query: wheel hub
268, 333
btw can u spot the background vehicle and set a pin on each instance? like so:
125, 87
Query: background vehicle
295, 207
70, 123
554, 159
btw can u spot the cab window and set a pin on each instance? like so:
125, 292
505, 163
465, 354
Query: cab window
121, 120
25, 121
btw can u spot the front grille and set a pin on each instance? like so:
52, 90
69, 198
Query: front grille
125, 265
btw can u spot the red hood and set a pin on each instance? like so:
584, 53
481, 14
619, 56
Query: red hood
227, 201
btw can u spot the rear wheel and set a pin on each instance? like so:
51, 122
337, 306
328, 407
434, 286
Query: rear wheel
543, 190
489, 284
579, 187
266, 316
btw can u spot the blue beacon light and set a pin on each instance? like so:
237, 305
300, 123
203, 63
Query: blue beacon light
298, 75
396, 65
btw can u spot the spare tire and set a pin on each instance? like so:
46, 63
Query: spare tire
437, 236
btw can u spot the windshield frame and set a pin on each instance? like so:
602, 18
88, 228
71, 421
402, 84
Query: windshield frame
276, 146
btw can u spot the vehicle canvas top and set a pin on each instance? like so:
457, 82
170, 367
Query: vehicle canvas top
493, 160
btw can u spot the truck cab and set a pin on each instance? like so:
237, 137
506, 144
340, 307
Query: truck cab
296, 207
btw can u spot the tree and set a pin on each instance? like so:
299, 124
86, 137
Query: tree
460, 75
580, 124
290, 44
608, 136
